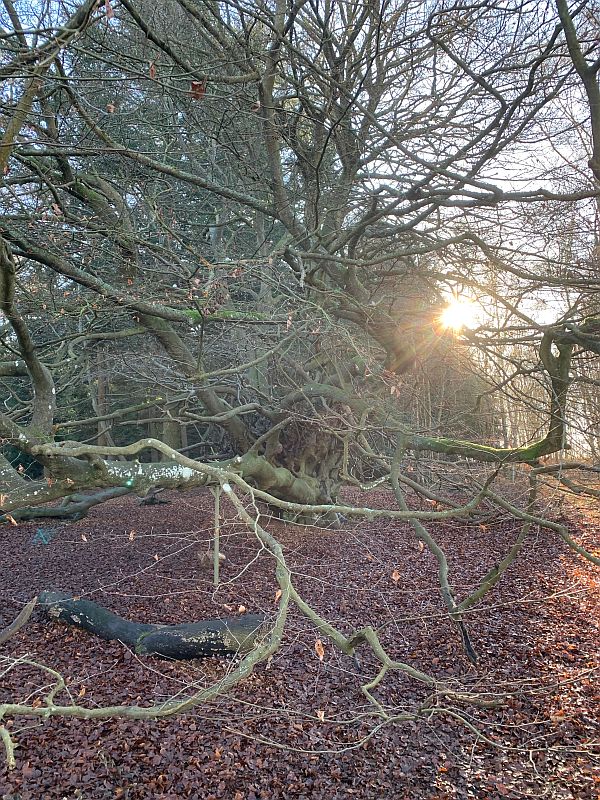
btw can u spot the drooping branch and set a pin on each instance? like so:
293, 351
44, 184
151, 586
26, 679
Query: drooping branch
434, 548
544, 523
349, 644
74, 507
185, 471
19, 621
497, 571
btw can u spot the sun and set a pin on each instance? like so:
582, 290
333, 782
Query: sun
458, 314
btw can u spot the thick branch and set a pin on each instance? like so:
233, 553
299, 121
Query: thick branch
19, 621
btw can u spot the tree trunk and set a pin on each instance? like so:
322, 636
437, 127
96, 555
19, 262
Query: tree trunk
311, 453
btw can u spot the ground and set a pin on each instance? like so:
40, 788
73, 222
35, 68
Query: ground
299, 727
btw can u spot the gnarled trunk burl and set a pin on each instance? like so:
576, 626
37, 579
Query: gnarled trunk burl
220, 637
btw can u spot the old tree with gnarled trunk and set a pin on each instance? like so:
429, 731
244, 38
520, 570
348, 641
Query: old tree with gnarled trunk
229, 232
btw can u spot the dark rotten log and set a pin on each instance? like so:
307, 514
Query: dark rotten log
221, 637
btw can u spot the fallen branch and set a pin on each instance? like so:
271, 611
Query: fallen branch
222, 637
263, 649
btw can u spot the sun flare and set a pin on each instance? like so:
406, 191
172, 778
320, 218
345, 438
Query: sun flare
458, 314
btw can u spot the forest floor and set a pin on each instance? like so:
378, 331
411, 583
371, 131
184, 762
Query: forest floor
299, 727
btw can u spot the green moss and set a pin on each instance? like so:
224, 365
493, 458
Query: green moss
482, 452
196, 316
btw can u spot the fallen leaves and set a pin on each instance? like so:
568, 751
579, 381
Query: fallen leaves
299, 699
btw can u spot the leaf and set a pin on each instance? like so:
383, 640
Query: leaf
152, 70
421, 547
278, 594
83, 537
396, 576
132, 535
156, 557
198, 89
319, 649
241, 609
81, 692
110, 108
12, 520
321, 715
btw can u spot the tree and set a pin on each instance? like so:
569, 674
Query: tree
241, 243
